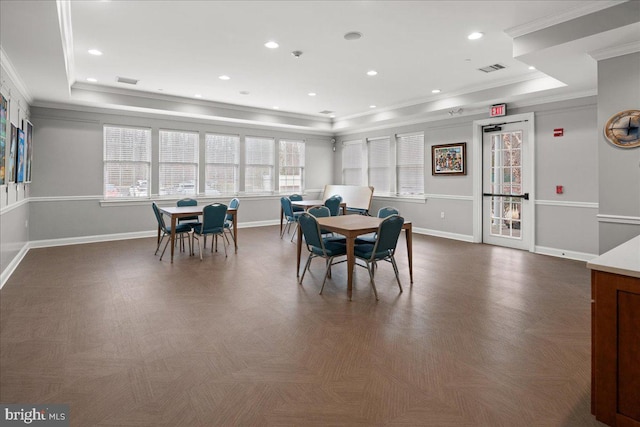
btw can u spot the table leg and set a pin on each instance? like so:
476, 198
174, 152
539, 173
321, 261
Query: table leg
409, 236
173, 234
281, 219
235, 230
298, 249
159, 229
350, 265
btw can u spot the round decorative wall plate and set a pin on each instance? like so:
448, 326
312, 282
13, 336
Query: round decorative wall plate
623, 129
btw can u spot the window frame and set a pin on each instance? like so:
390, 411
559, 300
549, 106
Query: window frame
300, 167
236, 164
248, 166
162, 163
134, 191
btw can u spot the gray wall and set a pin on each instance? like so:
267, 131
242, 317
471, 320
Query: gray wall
619, 168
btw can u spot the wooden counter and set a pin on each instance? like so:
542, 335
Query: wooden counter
615, 335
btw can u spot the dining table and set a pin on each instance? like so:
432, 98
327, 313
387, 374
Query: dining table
352, 226
306, 205
175, 212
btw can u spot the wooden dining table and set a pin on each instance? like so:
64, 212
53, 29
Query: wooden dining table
175, 212
352, 226
306, 205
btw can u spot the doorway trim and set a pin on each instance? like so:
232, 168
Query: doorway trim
529, 127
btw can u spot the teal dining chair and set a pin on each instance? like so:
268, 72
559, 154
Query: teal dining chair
228, 222
383, 249
333, 203
181, 229
382, 213
290, 216
319, 247
213, 218
296, 198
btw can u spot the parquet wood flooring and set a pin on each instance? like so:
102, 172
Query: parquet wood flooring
486, 336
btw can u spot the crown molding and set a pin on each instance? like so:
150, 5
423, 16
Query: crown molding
586, 8
66, 33
13, 75
615, 51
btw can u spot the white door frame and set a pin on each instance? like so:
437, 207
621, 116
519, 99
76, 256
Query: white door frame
529, 127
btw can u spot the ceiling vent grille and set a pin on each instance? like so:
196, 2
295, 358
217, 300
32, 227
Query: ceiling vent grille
326, 112
127, 80
491, 68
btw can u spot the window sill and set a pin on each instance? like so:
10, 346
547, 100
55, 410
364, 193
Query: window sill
402, 198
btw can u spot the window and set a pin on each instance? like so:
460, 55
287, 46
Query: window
178, 167
127, 162
291, 160
378, 152
352, 163
222, 164
259, 167
410, 163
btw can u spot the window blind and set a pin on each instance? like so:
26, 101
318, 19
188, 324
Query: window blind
378, 151
352, 163
222, 164
127, 161
178, 163
291, 166
259, 164
410, 164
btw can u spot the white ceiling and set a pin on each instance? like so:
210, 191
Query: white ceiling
179, 48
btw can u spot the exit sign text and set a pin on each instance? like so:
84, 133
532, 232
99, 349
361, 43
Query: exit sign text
498, 110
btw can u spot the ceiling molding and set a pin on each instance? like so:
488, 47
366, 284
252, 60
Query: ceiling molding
614, 51
14, 76
540, 24
66, 33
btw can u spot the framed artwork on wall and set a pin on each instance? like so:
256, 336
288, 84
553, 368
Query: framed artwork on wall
449, 159
21, 165
12, 155
4, 107
27, 127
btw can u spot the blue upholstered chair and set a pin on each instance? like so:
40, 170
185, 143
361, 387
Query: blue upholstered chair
290, 215
383, 249
213, 218
228, 222
321, 212
188, 219
333, 203
319, 247
296, 198
382, 213
181, 229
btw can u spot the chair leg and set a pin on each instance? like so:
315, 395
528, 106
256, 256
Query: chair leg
165, 248
159, 243
200, 246
224, 244
395, 269
285, 228
326, 273
295, 230
305, 269
373, 283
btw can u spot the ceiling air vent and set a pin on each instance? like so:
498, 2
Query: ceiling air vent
490, 68
326, 112
127, 80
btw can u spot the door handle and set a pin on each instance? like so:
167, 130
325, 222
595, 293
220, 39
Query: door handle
515, 196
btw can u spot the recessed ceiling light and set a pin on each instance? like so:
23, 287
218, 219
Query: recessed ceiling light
352, 35
333, 116
92, 80
372, 73
244, 92
372, 106
532, 67
95, 52
312, 94
197, 95
272, 45
275, 107
436, 91
475, 36
224, 77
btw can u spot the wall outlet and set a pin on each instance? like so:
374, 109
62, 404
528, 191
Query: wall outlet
441, 215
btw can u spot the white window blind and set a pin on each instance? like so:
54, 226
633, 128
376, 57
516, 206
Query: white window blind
378, 152
127, 161
178, 167
259, 164
352, 163
410, 163
291, 159
222, 164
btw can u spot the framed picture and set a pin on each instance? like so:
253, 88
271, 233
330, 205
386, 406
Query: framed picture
449, 159
21, 165
12, 156
27, 127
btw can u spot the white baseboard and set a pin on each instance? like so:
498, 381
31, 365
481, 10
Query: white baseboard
15, 262
91, 239
445, 234
561, 253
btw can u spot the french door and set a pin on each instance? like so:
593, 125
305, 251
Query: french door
507, 212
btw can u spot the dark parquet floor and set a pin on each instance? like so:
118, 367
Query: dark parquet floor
486, 336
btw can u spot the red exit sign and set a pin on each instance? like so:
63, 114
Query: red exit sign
498, 110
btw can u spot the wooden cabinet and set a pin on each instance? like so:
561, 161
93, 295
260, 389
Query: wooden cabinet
615, 369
